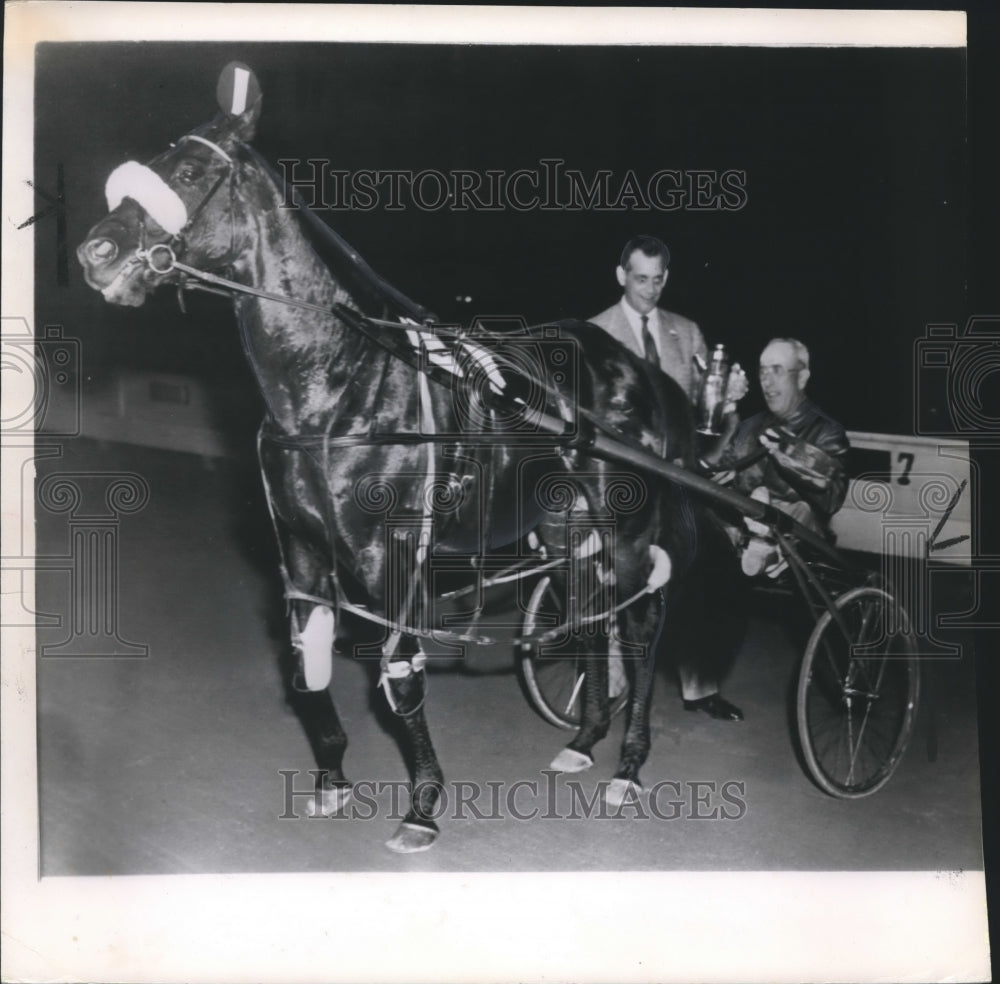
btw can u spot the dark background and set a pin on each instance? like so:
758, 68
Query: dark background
852, 238
97, 107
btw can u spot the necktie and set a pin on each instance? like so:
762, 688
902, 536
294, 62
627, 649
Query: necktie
647, 342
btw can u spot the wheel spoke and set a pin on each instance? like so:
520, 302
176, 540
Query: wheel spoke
573, 695
855, 713
553, 681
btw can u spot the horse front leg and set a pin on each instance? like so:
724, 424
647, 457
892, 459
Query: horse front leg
404, 682
319, 717
313, 627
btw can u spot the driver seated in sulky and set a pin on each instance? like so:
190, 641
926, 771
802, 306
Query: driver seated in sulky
802, 471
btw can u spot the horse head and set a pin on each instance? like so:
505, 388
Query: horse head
182, 205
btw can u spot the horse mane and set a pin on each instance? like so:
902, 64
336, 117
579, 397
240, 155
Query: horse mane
374, 295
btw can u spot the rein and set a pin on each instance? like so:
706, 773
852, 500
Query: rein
172, 263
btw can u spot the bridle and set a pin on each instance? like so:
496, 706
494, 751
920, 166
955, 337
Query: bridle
177, 244
163, 258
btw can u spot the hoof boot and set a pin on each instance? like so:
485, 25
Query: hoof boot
329, 802
622, 791
411, 838
569, 760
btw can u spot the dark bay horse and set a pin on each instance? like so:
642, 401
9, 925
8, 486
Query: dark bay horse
355, 438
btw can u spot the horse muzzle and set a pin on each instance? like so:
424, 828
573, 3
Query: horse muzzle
123, 275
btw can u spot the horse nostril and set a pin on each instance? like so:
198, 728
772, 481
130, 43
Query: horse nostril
101, 250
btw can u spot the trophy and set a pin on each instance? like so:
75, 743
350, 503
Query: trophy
712, 398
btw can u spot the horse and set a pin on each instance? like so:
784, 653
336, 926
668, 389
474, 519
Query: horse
354, 434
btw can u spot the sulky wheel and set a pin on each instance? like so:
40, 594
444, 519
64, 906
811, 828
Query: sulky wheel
858, 691
554, 683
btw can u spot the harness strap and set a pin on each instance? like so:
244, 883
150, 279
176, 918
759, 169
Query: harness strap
174, 264
426, 523
208, 143
444, 635
506, 577
585, 620
200, 207
399, 671
293, 594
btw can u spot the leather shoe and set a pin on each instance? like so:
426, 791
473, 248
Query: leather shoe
715, 706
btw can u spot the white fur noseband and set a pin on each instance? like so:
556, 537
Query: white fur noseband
144, 186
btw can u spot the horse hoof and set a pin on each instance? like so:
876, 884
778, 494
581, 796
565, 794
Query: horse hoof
621, 791
411, 838
329, 802
569, 760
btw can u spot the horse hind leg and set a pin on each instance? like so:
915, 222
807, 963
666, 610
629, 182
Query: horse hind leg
590, 592
595, 719
641, 624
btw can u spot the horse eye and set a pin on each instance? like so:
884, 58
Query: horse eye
187, 174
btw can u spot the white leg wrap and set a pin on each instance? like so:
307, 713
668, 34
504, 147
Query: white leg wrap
662, 568
316, 642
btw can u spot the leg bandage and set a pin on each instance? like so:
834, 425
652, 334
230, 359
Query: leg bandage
314, 645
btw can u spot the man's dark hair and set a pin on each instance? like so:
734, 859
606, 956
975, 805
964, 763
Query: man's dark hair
649, 245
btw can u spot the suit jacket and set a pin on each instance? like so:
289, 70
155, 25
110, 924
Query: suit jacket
678, 339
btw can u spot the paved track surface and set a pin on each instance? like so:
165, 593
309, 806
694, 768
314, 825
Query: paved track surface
174, 763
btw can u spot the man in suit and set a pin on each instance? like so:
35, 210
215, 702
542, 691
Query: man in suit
702, 647
667, 339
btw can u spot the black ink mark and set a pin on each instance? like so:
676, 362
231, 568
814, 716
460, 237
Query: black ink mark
57, 205
932, 544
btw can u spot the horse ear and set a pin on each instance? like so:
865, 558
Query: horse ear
239, 97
